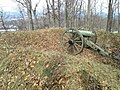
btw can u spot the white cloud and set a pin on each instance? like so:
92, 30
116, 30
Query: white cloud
40, 5
11, 5
8, 5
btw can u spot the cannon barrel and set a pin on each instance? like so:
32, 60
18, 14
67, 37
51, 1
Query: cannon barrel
87, 33
84, 33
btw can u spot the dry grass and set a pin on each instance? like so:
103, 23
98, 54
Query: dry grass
34, 60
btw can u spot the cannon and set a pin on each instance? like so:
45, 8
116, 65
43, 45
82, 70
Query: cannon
73, 41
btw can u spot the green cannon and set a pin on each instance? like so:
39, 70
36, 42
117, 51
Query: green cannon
74, 41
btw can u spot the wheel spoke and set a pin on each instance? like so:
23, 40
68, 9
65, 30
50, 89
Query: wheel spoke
73, 48
66, 44
68, 47
77, 38
66, 37
70, 35
65, 41
78, 41
78, 45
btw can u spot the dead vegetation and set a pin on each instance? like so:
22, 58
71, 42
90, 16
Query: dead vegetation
34, 60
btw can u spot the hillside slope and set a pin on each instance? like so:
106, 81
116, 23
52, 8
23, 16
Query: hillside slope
34, 60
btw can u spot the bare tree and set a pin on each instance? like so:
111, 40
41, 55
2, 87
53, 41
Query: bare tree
74, 13
66, 14
73, 10
22, 21
88, 13
53, 12
2, 19
80, 12
35, 15
48, 12
94, 17
53, 8
118, 16
110, 16
28, 5
101, 8
59, 6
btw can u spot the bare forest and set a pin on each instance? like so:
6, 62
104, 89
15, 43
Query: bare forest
89, 14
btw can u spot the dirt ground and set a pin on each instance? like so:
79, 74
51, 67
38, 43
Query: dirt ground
35, 60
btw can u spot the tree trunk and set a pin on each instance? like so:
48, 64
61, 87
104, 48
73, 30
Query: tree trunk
48, 13
66, 14
79, 17
53, 10
101, 16
31, 18
36, 19
88, 14
72, 10
76, 17
110, 17
118, 16
2, 20
3, 24
59, 25
24, 21
28, 5
44, 22
31, 24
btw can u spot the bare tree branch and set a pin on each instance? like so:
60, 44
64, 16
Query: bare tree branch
21, 3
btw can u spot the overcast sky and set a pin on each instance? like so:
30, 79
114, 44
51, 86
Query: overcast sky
11, 5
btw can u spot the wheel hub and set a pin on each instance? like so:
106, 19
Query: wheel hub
71, 42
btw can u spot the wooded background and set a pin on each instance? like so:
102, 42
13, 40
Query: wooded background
82, 14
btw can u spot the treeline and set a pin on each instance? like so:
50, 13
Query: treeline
69, 13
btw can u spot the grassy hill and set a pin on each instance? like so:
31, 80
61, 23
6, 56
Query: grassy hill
34, 60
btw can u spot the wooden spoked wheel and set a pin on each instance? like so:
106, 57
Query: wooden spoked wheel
72, 41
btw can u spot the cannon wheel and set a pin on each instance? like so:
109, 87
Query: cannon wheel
72, 41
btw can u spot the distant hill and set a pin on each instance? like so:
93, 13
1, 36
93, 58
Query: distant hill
12, 15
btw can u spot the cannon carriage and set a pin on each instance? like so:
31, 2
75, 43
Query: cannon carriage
73, 41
